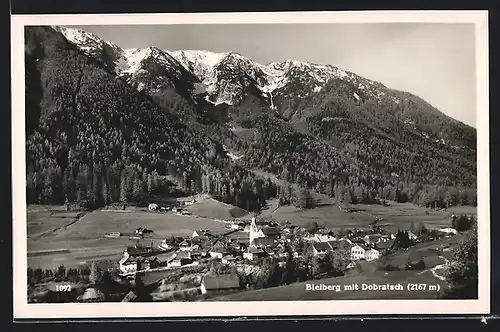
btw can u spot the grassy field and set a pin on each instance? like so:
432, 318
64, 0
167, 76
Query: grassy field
85, 241
328, 214
298, 291
393, 217
206, 207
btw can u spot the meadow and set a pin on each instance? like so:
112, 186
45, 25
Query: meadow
83, 240
299, 292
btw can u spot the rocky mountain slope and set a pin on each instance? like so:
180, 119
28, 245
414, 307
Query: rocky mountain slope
317, 125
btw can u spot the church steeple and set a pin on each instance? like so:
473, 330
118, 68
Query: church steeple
254, 232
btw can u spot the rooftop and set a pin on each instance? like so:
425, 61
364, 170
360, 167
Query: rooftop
225, 281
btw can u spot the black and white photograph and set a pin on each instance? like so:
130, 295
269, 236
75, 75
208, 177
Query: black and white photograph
241, 163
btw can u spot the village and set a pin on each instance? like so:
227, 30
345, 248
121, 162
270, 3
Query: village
247, 243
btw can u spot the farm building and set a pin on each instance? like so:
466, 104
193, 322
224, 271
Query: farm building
322, 248
182, 258
201, 232
253, 253
214, 283
128, 264
228, 259
218, 251
137, 250
358, 251
91, 295
185, 245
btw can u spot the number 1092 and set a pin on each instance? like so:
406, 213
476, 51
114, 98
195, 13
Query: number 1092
63, 288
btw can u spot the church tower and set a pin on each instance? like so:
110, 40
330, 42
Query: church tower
254, 233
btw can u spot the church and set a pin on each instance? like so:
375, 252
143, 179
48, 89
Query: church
261, 237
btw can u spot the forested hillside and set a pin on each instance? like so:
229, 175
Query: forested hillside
95, 136
94, 139
361, 163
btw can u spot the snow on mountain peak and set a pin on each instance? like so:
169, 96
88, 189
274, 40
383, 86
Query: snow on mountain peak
86, 41
223, 76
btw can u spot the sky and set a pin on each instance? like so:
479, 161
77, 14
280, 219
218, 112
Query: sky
435, 61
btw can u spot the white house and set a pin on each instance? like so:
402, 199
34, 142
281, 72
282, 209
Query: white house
252, 253
218, 252
346, 239
181, 258
357, 252
128, 264
228, 259
448, 230
166, 245
153, 207
372, 254
322, 248
324, 238
185, 245
412, 235
201, 232
237, 225
190, 202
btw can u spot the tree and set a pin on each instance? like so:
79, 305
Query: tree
462, 271
347, 199
315, 267
402, 240
338, 260
290, 274
95, 273
312, 227
462, 223
304, 199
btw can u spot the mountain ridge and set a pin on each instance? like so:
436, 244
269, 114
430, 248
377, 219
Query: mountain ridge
345, 131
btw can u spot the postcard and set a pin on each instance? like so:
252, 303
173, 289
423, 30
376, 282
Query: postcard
250, 164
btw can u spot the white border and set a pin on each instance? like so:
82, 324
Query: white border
279, 308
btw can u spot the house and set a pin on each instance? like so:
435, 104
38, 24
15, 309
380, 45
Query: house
142, 230
384, 245
190, 202
448, 230
373, 238
322, 248
180, 259
412, 235
238, 225
91, 295
128, 264
269, 251
323, 237
167, 244
202, 232
281, 252
253, 253
346, 239
228, 259
137, 250
224, 282
113, 234
185, 245
199, 253
218, 252
358, 252
153, 207
262, 236
372, 254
